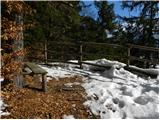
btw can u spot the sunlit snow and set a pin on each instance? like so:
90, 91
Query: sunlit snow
115, 93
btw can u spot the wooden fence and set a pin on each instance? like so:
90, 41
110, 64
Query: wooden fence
144, 48
127, 48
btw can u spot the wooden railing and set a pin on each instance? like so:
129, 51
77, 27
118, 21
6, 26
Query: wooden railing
127, 48
144, 48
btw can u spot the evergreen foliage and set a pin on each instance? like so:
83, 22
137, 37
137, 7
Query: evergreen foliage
106, 18
61, 21
143, 28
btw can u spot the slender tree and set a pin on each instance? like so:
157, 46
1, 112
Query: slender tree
11, 32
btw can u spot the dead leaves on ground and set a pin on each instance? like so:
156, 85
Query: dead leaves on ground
28, 103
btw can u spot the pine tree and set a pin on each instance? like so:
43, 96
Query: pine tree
145, 25
106, 18
55, 21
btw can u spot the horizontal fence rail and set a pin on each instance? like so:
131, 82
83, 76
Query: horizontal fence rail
81, 53
144, 47
105, 44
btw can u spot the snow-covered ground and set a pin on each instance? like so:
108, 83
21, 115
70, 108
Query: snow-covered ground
68, 117
150, 70
115, 93
123, 96
56, 72
2, 107
2, 104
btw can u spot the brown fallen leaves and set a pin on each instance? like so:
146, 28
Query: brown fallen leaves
29, 103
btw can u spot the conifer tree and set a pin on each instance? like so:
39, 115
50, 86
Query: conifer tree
106, 18
55, 21
144, 27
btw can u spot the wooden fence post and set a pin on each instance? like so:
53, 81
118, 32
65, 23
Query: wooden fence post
80, 56
62, 53
45, 51
128, 55
145, 64
44, 84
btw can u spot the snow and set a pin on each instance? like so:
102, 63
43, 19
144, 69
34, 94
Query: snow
109, 35
150, 70
109, 63
71, 84
1, 79
114, 93
2, 107
126, 94
56, 72
105, 62
68, 117
134, 99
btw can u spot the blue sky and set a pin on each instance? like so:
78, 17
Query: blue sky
123, 12
91, 11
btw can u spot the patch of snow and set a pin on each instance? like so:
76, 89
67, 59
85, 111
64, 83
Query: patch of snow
68, 117
150, 70
1, 79
74, 61
108, 33
121, 94
2, 107
106, 62
109, 63
157, 67
115, 93
56, 72
71, 84
103, 61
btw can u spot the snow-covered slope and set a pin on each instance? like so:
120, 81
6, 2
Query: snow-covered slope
115, 93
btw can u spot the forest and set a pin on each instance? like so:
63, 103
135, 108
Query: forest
67, 21
54, 31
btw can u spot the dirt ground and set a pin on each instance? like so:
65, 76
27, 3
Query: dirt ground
59, 100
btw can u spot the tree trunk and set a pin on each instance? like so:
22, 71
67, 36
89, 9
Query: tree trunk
19, 45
